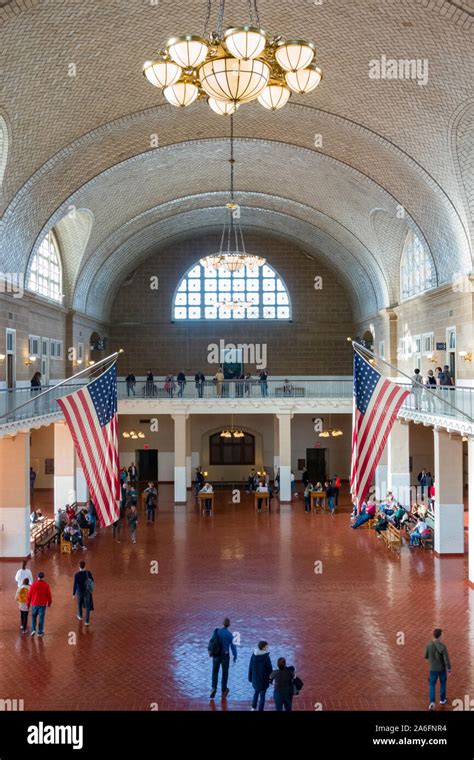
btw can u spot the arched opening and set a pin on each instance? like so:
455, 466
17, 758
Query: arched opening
368, 340
97, 347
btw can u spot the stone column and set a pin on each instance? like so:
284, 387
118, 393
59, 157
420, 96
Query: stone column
179, 457
15, 496
470, 454
189, 468
398, 462
284, 419
449, 507
276, 444
64, 467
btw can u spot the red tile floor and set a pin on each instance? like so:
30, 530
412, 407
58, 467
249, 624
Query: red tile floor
355, 631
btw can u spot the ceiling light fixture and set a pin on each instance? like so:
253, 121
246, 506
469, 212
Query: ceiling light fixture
234, 66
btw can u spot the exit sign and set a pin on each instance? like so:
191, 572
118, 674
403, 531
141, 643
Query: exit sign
317, 446
146, 445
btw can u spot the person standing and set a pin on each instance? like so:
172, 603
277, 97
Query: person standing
293, 484
39, 597
23, 573
150, 384
247, 384
422, 481
117, 526
331, 496
181, 383
133, 474
82, 590
132, 519
151, 497
260, 669
21, 599
219, 648
305, 477
417, 384
436, 652
282, 679
430, 384
263, 380
219, 380
307, 497
199, 381
32, 481
337, 486
130, 381
36, 383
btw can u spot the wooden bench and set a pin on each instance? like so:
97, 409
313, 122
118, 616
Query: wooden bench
392, 537
203, 498
44, 534
369, 523
321, 496
262, 501
65, 546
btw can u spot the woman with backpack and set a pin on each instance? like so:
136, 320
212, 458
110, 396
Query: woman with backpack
82, 590
21, 599
260, 669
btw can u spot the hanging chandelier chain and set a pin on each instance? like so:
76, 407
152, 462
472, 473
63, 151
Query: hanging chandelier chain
251, 16
208, 18
220, 20
257, 15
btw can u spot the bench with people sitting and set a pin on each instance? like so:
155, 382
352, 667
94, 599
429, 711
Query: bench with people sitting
392, 537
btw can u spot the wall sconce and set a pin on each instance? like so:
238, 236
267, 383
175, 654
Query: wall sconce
30, 360
2, 357
432, 358
466, 356
91, 362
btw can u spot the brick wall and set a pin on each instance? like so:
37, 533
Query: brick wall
313, 343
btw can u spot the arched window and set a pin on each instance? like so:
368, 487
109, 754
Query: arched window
417, 272
231, 450
44, 275
204, 293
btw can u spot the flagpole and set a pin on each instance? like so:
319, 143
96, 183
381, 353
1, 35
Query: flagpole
91, 368
359, 347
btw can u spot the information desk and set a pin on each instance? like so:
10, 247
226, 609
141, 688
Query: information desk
262, 501
206, 501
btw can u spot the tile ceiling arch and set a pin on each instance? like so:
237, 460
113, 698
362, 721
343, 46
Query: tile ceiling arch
359, 285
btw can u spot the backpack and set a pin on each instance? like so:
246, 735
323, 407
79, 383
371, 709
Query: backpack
89, 585
215, 647
297, 684
22, 595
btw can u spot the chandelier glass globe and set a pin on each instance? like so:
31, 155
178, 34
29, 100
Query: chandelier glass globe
245, 42
181, 94
222, 107
162, 73
188, 51
293, 55
230, 79
274, 96
304, 80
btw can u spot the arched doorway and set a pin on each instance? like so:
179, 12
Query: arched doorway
97, 347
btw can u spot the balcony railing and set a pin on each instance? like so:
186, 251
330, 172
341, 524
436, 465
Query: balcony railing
456, 403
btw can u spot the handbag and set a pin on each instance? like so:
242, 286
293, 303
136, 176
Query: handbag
297, 684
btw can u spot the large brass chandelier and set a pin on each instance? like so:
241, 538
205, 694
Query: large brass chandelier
232, 254
234, 66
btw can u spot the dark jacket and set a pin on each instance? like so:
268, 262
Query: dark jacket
260, 668
283, 680
437, 654
79, 587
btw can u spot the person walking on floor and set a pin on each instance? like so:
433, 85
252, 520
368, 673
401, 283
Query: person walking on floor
219, 648
282, 680
337, 486
118, 524
331, 495
132, 519
21, 599
260, 669
39, 597
440, 667
307, 497
82, 590
23, 573
151, 497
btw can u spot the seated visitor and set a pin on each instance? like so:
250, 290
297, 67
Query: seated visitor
60, 520
72, 533
420, 531
70, 511
261, 488
36, 516
288, 388
399, 516
382, 523
207, 488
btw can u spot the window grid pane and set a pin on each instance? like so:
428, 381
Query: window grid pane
203, 290
44, 275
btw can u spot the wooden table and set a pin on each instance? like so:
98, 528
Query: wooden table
262, 501
321, 495
203, 498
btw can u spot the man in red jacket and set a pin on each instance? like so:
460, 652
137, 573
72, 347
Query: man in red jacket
39, 597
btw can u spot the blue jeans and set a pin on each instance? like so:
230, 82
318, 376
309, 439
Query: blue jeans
282, 700
264, 389
84, 600
35, 611
259, 698
331, 503
434, 675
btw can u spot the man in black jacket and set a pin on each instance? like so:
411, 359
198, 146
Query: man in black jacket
82, 590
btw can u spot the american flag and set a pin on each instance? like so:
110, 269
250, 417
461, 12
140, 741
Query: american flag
91, 415
376, 405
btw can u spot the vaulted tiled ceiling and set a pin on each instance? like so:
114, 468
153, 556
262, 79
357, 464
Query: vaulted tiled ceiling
394, 154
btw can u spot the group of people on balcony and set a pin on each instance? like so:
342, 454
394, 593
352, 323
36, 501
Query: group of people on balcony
425, 389
176, 385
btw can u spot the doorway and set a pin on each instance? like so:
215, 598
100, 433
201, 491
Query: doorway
147, 464
10, 361
316, 462
44, 361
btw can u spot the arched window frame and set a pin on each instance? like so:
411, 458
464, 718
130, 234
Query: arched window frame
200, 285
417, 270
45, 272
